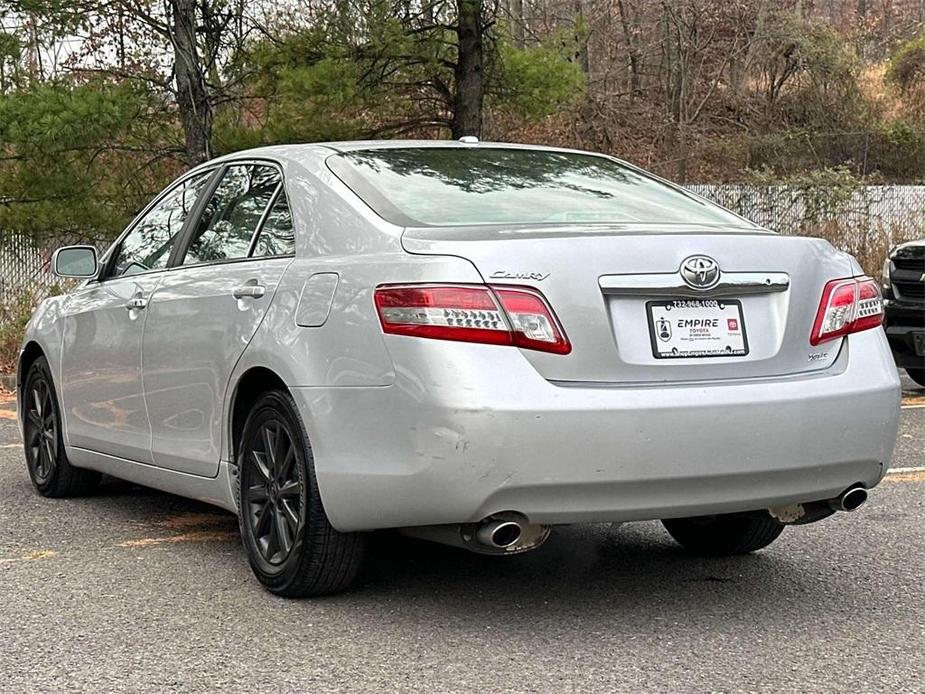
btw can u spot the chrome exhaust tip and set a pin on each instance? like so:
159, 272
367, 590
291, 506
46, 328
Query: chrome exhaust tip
499, 533
504, 533
800, 514
850, 500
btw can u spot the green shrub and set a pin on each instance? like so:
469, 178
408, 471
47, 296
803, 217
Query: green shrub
907, 64
14, 314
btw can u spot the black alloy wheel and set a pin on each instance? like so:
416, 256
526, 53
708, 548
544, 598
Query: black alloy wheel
273, 490
292, 548
49, 469
40, 429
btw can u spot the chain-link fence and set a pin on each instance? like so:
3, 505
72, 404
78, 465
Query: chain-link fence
896, 211
865, 221
25, 278
24, 267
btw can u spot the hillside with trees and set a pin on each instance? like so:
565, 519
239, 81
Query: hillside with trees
102, 102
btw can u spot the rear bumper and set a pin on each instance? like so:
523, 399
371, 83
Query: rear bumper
474, 430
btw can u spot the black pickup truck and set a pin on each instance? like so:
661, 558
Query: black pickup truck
904, 299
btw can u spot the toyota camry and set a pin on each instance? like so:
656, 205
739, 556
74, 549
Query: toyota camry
472, 343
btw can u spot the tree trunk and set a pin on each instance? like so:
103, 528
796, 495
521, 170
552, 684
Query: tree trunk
34, 62
739, 71
470, 87
682, 152
518, 23
581, 38
192, 96
632, 46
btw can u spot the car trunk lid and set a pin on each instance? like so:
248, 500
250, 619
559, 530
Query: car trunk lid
610, 285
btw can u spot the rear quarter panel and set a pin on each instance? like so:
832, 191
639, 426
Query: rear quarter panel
338, 235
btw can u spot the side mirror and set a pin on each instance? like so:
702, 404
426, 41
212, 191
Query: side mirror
74, 262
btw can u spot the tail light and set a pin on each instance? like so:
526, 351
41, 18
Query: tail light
515, 316
847, 306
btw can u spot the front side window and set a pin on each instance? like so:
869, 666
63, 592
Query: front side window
233, 213
147, 246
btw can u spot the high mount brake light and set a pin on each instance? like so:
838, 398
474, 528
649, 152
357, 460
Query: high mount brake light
516, 316
847, 306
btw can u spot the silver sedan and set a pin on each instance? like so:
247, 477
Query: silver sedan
469, 342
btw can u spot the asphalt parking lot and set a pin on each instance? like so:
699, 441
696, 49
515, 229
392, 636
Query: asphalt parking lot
133, 590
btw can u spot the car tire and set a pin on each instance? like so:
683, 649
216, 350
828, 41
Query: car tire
51, 473
725, 535
917, 375
292, 547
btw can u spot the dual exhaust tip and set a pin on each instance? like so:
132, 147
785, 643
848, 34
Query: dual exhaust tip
510, 532
505, 533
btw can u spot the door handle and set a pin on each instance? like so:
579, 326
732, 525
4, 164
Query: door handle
249, 291
136, 303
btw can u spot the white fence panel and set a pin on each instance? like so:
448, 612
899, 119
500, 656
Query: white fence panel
23, 266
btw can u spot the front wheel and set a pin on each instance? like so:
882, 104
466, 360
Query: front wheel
51, 473
917, 375
291, 546
724, 535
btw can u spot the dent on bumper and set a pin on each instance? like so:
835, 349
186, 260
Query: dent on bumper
420, 452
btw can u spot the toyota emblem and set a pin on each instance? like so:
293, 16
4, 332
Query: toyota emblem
700, 272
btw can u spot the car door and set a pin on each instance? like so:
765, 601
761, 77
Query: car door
206, 310
101, 385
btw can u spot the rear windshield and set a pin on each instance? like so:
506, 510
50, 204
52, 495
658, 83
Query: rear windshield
453, 186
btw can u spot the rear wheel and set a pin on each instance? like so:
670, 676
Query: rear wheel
917, 375
723, 535
292, 548
49, 469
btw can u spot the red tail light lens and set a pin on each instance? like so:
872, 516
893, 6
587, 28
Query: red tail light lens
533, 324
847, 306
466, 314
869, 312
470, 313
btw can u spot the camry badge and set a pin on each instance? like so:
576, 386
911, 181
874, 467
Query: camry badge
505, 275
700, 272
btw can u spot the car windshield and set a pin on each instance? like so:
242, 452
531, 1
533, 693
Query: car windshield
453, 186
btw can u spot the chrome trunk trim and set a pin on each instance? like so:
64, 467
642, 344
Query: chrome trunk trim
671, 284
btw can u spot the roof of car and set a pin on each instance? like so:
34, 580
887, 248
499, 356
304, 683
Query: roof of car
299, 152
916, 243
406, 144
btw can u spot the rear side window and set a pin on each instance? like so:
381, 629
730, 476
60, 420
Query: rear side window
276, 235
147, 246
449, 186
233, 214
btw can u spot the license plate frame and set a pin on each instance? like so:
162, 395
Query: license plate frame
723, 309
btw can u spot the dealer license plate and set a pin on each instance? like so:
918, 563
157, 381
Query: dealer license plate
685, 328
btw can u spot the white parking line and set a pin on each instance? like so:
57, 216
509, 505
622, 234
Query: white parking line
905, 470
913, 407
